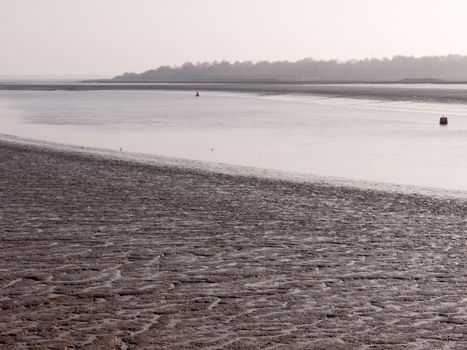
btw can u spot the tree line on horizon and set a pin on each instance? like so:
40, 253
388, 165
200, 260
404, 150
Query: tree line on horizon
451, 68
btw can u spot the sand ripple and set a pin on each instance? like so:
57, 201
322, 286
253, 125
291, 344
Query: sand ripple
118, 255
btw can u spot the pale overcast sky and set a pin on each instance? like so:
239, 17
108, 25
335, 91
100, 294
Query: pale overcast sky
83, 37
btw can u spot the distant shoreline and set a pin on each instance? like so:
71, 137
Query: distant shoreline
409, 92
277, 81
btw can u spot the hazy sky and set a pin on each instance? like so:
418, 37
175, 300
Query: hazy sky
83, 37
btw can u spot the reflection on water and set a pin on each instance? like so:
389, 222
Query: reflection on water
395, 142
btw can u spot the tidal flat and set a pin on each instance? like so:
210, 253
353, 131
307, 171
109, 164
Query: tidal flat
99, 253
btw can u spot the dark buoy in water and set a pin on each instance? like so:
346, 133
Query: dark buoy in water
443, 120
197, 94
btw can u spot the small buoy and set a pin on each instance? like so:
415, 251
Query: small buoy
443, 120
197, 94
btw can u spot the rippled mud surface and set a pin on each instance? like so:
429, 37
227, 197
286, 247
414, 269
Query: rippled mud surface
105, 254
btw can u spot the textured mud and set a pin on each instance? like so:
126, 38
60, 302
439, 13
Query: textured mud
106, 254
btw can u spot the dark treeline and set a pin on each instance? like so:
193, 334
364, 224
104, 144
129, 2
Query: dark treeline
452, 68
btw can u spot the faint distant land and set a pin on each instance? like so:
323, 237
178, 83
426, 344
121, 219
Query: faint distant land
405, 69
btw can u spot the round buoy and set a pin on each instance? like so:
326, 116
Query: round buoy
443, 121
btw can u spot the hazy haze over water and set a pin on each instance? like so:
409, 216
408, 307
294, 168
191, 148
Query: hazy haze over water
109, 37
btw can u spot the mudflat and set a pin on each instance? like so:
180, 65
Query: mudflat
100, 253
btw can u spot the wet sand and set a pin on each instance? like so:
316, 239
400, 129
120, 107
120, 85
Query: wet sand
107, 254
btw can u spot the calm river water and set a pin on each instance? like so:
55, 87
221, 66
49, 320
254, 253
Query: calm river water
381, 141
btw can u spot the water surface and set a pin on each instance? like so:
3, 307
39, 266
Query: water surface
371, 140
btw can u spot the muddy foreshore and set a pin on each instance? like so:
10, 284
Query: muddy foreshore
98, 253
